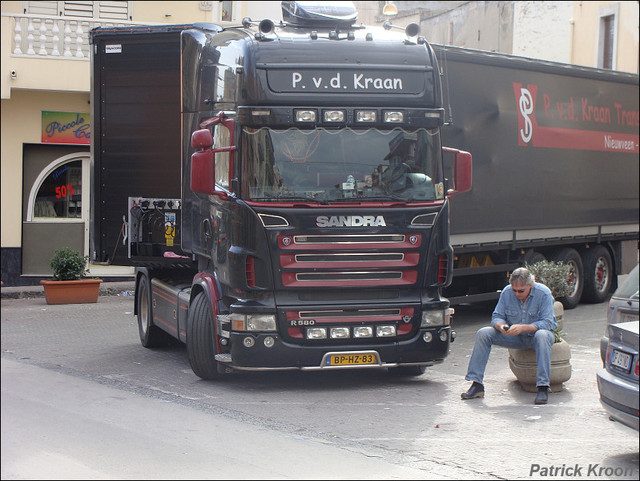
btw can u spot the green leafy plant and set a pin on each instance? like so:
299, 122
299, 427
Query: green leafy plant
68, 265
558, 334
554, 275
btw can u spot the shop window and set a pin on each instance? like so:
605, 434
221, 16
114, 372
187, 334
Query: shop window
60, 193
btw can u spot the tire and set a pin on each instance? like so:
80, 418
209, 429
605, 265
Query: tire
531, 257
407, 371
598, 274
572, 258
201, 347
150, 335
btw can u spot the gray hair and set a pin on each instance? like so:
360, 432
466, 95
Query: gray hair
522, 275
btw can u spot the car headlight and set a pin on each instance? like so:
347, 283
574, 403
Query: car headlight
253, 322
436, 318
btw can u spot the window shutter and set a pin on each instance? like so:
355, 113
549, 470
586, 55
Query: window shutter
113, 10
78, 9
42, 8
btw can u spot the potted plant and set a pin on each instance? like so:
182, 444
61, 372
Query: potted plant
523, 361
69, 285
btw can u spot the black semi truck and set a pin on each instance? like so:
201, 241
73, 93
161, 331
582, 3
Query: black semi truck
280, 189
555, 149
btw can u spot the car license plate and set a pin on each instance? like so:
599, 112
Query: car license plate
351, 359
624, 317
621, 359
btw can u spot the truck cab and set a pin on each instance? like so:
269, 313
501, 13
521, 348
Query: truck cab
312, 228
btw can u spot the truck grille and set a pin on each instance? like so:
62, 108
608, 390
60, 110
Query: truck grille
349, 260
299, 321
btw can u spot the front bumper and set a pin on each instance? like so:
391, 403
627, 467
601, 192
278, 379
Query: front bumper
619, 397
284, 355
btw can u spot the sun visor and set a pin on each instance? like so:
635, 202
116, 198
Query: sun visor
319, 14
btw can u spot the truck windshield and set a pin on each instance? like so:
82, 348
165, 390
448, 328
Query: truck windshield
341, 165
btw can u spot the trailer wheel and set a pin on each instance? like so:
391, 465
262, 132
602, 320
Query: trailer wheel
571, 258
531, 257
150, 335
407, 371
598, 274
201, 347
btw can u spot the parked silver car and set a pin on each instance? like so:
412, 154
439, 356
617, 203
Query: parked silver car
618, 380
623, 306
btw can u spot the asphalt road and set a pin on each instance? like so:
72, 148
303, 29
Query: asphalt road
81, 399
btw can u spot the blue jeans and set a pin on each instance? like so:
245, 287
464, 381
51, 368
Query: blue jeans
486, 337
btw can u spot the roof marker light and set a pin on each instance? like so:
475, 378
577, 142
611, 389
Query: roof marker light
306, 116
333, 115
365, 116
393, 116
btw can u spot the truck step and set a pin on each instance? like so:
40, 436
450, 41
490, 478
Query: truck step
225, 357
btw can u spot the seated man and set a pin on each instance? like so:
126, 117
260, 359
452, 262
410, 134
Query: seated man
522, 319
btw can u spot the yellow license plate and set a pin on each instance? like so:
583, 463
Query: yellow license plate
352, 359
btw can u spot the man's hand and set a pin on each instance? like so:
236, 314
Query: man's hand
517, 329
502, 328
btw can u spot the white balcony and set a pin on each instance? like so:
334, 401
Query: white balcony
54, 37
48, 53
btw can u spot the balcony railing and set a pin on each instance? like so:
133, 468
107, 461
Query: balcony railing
65, 38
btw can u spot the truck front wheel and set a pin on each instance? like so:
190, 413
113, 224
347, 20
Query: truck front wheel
201, 343
531, 257
598, 274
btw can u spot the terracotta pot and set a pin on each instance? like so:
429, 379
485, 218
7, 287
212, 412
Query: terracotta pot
81, 291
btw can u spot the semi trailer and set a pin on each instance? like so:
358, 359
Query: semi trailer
555, 150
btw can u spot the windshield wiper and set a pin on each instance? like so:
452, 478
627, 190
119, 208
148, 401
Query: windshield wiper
291, 198
379, 198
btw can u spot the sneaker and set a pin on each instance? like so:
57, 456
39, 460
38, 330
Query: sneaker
476, 390
543, 395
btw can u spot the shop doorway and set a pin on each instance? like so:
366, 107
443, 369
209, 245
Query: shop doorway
56, 205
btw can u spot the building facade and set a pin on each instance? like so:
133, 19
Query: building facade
45, 82
46, 125
593, 34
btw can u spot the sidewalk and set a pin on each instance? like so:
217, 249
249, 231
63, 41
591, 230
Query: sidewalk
106, 289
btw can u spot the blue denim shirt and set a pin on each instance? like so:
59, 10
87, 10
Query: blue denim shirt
536, 310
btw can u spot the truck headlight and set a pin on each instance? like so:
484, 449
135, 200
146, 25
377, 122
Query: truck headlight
436, 318
253, 322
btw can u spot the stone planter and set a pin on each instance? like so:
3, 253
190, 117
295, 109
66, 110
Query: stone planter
72, 292
523, 365
523, 361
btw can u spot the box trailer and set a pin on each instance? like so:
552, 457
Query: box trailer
555, 149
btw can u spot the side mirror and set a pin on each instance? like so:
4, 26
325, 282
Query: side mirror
462, 171
202, 139
203, 172
203, 164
